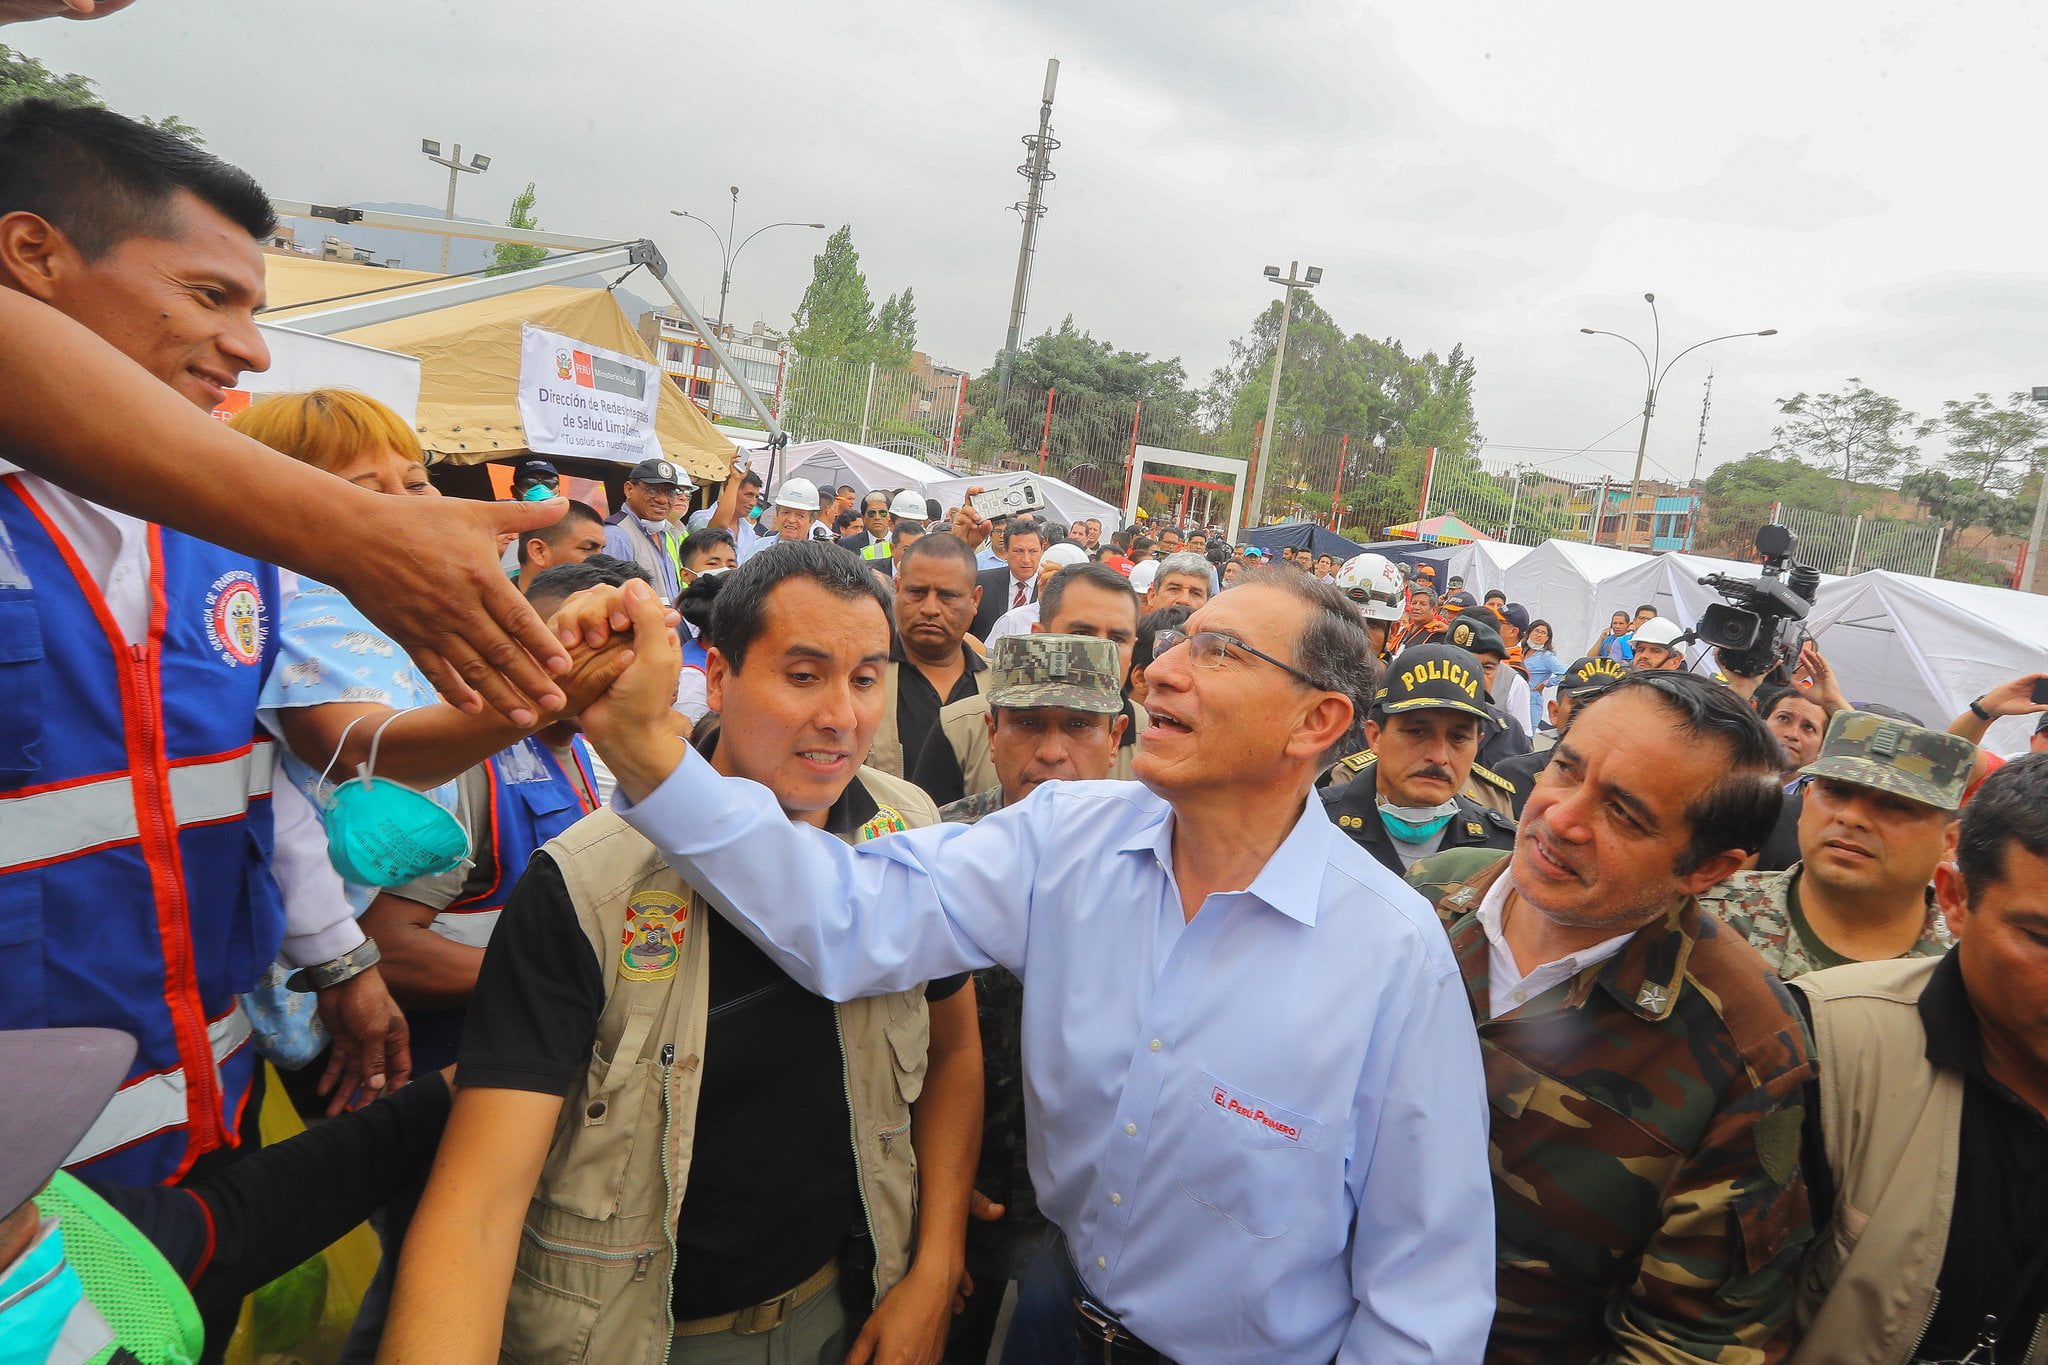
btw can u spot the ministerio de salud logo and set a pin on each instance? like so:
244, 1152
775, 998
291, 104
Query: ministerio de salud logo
234, 618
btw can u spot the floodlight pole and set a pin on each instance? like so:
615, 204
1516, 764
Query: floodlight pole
457, 168
1293, 282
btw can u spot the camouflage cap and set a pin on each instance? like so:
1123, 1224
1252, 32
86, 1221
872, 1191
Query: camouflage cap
1079, 672
1433, 677
1589, 676
1888, 755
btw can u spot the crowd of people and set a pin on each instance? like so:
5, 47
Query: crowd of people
1129, 946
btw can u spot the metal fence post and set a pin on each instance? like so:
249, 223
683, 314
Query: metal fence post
1855, 543
1514, 505
1934, 564
867, 404
953, 434
1428, 478
1131, 461
1337, 493
1045, 432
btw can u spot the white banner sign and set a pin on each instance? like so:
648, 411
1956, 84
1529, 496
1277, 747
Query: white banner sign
579, 399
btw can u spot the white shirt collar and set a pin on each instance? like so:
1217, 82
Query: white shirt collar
1507, 986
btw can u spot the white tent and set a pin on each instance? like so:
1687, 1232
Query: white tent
1560, 582
1928, 647
1483, 564
1066, 502
837, 462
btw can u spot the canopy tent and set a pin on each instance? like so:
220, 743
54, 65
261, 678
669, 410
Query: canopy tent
1483, 564
1444, 529
841, 462
1303, 535
1065, 502
1559, 581
469, 358
1928, 646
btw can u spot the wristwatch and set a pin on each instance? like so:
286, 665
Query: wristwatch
334, 971
1977, 707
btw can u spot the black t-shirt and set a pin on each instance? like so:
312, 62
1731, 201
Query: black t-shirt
772, 1193
918, 703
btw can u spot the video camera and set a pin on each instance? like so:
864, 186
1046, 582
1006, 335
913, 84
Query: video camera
1760, 625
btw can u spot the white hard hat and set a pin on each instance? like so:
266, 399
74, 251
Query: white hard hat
1373, 583
1659, 631
799, 493
1064, 556
1142, 576
908, 505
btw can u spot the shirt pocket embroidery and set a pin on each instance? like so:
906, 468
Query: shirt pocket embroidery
1251, 1161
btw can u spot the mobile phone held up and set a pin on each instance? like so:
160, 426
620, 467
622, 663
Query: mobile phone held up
2041, 690
1010, 500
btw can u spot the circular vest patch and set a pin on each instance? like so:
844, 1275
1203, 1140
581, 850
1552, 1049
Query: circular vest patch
234, 618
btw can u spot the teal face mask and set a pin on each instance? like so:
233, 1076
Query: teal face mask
36, 1299
382, 833
540, 492
1411, 825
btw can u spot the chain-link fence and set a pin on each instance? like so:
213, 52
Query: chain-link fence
912, 412
1843, 545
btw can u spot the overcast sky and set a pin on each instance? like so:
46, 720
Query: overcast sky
1867, 178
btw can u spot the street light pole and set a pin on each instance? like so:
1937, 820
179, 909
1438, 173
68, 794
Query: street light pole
1295, 280
457, 168
2040, 511
727, 254
1653, 381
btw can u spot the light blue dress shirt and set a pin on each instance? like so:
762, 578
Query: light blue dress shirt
987, 558
1263, 1130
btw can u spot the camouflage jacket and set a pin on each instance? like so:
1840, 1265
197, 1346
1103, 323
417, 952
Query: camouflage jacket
1001, 1250
1758, 906
1646, 1126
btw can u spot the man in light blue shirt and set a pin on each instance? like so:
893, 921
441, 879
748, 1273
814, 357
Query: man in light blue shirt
1252, 1083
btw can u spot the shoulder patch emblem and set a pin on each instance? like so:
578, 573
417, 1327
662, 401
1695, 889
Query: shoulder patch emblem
1475, 830
1359, 761
1461, 898
1485, 774
652, 945
888, 820
1652, 997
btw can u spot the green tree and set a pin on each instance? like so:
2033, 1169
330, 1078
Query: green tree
1963, 506
23, 77
895, 333
1738, 497
1995, 447
1097, 389
1858, 434
507, 257
836, 318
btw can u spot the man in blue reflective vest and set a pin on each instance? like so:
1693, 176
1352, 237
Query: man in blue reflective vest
137, 829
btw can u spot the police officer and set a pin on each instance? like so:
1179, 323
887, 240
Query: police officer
1584, 679
1427, 721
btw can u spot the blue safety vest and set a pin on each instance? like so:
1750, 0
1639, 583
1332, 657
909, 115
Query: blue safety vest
135, 828
533, 798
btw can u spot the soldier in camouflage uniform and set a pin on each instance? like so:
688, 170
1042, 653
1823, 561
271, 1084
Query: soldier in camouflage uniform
1645, 1071
1877, 813
1055, 713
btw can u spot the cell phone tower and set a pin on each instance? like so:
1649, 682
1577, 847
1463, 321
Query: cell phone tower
1699, 450
1038, 149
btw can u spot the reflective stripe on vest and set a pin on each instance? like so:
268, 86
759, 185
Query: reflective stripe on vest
150, 1104
40, 826
876, 549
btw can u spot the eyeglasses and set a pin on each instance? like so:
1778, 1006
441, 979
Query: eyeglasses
1208, 649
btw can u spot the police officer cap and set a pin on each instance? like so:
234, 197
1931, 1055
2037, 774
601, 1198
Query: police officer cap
1474, 633
1079, 672
1590, 677
655, 473
1433, 678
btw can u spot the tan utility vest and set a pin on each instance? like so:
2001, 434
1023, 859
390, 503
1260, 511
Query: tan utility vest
597, 1255
1892, 1123
885, 755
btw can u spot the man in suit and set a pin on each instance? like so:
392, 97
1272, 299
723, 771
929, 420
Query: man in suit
1016, 581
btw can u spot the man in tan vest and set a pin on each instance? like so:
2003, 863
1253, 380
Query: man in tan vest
1928, 1156
665, 1149
930, 663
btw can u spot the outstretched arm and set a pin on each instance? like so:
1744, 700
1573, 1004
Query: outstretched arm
82, 415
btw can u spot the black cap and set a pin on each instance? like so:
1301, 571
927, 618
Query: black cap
538, 469
1433, 678
656, 473
1516, 615
1461, 601
1474, 633
1588, 677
